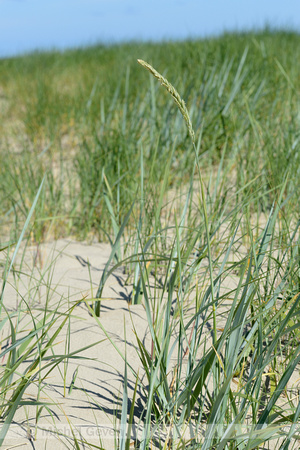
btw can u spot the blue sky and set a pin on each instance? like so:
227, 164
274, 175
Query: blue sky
27, 25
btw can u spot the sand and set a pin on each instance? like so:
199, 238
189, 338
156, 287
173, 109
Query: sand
94, 403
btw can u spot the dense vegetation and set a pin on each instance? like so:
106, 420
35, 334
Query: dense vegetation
118, 163
84, 117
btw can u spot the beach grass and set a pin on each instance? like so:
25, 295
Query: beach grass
195, 184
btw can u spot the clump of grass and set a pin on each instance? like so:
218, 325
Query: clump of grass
24, 350
198, 391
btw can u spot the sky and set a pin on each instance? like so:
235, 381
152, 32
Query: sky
27, 25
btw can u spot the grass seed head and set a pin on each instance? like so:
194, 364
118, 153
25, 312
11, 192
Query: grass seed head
178, 100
